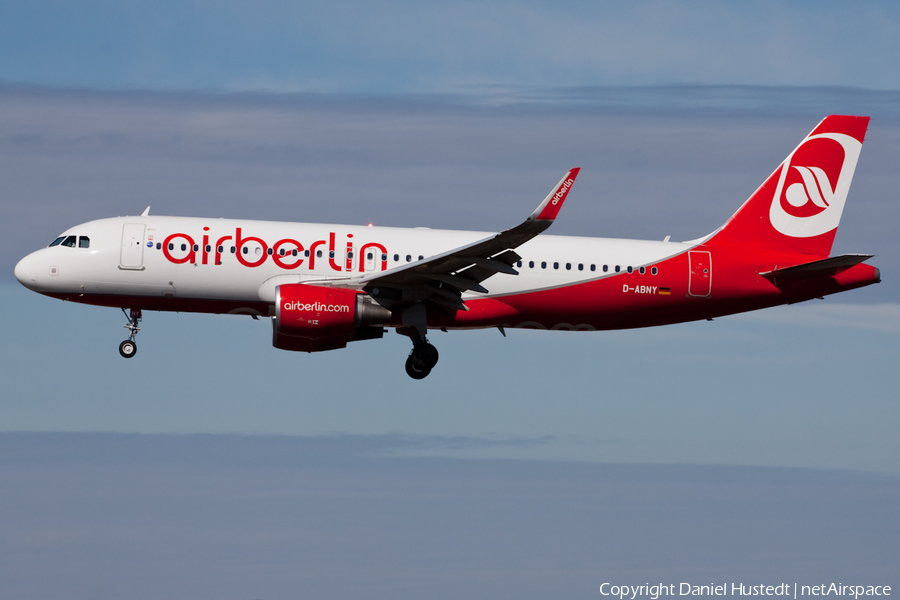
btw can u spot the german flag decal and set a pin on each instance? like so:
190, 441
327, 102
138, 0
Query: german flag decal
664, 291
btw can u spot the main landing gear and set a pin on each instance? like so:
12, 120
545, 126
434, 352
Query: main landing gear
128, 348
424, 356
421, 360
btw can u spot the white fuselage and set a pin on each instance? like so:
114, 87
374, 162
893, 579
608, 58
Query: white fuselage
241, 261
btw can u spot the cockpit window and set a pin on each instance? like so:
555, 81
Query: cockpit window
69, 241
84, 242
58, 241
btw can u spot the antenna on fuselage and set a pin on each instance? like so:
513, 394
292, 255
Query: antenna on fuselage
146, 212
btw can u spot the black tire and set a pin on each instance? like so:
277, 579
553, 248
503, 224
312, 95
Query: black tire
426, 355
127, 349
414, 370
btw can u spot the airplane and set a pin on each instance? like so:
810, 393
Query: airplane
324, 286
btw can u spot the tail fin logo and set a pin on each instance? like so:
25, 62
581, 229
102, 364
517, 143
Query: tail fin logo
815, 189
813, 185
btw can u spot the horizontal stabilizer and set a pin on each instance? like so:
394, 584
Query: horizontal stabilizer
828, 267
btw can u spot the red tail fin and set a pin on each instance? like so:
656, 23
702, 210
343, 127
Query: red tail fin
799, 206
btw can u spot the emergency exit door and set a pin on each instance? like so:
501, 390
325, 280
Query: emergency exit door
700, 276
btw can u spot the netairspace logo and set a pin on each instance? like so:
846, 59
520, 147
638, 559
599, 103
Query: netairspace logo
654, 592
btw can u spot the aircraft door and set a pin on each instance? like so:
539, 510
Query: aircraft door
132, 256
700, 274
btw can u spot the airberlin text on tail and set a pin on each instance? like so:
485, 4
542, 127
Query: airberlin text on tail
799, 206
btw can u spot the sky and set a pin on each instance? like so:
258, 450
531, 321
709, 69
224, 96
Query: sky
114, 515
425, 47
761, 445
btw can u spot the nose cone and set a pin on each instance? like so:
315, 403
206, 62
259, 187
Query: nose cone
25, 272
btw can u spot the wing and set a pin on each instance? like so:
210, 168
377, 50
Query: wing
444, 277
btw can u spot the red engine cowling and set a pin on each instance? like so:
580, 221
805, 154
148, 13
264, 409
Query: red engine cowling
312, 318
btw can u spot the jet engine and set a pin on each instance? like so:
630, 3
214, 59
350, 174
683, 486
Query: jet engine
314, 318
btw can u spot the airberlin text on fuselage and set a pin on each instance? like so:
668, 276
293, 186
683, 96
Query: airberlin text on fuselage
281, 252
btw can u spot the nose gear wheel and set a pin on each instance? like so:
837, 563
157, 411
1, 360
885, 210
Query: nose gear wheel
127, 349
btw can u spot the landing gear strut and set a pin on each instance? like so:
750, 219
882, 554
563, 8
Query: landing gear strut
128, 348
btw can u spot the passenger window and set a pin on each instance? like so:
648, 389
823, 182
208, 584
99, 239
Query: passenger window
349, 255
530, 264
219, 249
384, 258
184, 247
653, 271
84, 242
306, 253
318, 254
630, 269
69, 241
245, 250
269, 251
369, 256
605, 268
556, 265
281, 252
331, 254
642, 270
208, 248
421, 257
580, 266
396, 257
294, 252
568, 266
408, 258
196, 248
594, 267
57, 241
543, 264
519, 264
158, 246
618, 268
233, 250
171, 247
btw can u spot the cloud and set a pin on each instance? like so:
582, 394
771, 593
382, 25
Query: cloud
88, 515
883, 318
403, 46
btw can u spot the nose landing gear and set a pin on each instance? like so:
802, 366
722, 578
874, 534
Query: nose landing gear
128, 348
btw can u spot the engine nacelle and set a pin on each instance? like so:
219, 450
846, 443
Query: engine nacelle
312, 318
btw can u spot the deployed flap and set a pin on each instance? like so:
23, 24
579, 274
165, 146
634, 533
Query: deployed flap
828, 267
443, 277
